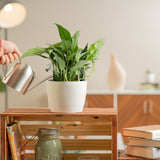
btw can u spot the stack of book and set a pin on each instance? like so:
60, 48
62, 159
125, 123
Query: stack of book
150, 86
143, 141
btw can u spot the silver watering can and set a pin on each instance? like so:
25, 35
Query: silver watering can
20, 76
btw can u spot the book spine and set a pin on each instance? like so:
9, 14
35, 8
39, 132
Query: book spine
12, 145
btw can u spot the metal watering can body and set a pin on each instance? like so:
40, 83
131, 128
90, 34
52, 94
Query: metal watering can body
20, 76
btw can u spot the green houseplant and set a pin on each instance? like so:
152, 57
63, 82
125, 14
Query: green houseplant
69, 66
2, 85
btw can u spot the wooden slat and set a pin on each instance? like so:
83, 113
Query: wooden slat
76, 130
114, 138
75, 156
46, 111
47, 117
86, 144
27, 110
77, 144
67, 156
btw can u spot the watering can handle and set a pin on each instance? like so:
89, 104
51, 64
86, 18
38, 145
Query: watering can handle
3, 70
40, 83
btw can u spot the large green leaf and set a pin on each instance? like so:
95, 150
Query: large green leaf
65, 45
77, 57
94, 50
33, 52
71, 57
53, 45
93, 56
97, 45
64, 33
58, 50
74, 45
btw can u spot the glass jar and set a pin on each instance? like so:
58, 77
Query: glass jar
48, 146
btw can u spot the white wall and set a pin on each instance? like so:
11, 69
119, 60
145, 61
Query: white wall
131, 29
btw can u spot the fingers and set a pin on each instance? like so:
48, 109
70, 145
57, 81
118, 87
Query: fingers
16, 51
8, 58
2, 59
7, 61
15, 56
9, 52
11, 58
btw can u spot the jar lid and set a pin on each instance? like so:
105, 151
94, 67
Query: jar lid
48, 131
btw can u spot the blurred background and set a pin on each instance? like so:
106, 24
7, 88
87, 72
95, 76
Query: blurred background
131, 29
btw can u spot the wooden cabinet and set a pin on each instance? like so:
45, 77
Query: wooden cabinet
134, 109
153, 109
99, 101
138, 110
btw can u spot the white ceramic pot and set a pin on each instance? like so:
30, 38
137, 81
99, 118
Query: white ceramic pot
66, 96
150, 77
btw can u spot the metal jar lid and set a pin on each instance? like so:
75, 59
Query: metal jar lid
48, 131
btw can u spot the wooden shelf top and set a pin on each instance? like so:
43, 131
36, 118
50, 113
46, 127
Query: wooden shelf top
47, 111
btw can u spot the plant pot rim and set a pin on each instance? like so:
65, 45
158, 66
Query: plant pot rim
50, 80
67, 83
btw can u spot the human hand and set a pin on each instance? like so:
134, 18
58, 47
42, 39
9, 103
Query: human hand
9, 52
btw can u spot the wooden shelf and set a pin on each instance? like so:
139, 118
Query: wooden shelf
91, 122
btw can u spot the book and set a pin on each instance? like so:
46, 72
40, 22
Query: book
144, 142
154, 86
144, 152
148, 132
16, 141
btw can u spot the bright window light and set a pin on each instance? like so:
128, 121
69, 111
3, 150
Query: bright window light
8, 7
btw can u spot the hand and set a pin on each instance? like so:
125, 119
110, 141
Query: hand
9, 52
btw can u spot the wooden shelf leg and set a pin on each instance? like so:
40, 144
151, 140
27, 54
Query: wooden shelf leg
114, 138
4, 142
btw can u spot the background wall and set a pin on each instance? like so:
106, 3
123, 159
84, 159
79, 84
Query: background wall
131, 29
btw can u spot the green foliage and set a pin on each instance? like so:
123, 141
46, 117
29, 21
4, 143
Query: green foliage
148, 71
2, 86
69, 62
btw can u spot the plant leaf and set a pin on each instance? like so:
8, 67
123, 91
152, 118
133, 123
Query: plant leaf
33, 52
60, 61
83, 55
94, 49
78, 66
85, 48
64, 33
53, 45
2, 86
61, 53
77, 57
56, 76
74, 45
65, 45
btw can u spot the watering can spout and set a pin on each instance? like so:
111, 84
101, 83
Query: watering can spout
19, 77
